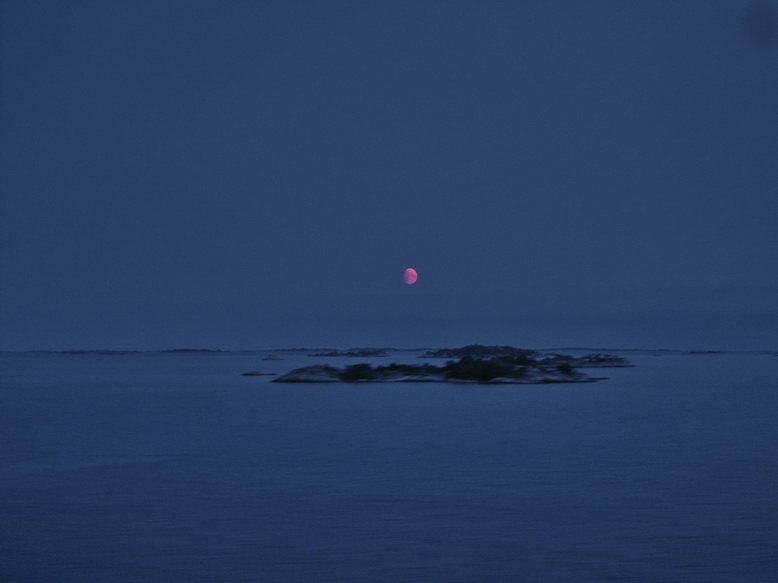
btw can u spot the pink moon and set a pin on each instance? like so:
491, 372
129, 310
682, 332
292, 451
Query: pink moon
410, 276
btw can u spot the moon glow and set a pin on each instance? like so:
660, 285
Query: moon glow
410, 276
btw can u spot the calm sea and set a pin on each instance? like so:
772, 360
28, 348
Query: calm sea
172, 467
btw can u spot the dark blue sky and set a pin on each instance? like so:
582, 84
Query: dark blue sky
258, 174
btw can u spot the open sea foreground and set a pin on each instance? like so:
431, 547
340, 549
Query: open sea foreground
172, 467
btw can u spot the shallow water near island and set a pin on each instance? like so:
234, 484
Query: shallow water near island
172, 467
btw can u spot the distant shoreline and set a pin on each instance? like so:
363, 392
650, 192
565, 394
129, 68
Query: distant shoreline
387, 351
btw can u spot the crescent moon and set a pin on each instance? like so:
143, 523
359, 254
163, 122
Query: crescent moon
410, 276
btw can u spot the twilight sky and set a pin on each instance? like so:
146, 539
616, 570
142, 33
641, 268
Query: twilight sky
246, 174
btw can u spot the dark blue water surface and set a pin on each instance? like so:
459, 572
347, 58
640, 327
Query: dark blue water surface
172, 467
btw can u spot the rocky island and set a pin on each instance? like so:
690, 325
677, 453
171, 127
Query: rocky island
475, 364
480, 352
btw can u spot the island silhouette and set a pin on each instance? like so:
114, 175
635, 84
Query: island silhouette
474, 363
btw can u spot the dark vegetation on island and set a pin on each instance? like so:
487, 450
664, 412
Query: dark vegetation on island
464, 369
474, 363
531, 357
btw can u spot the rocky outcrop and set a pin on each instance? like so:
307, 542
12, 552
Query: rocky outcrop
475, 364
311, 374
589, 361
465, 371
529, 357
